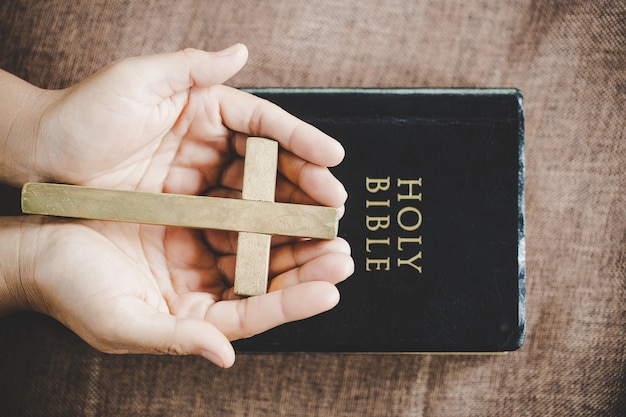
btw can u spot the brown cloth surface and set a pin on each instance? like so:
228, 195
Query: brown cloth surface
568, 58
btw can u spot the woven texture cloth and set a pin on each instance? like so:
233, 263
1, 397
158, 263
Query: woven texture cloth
568, 58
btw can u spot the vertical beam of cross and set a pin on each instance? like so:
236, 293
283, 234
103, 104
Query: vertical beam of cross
253, 249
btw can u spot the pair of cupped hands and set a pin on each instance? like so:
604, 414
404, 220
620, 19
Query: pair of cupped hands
162, 123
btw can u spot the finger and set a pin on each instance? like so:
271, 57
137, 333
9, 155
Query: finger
296, 254
167, 74
286, 191
232, 174
317, 181
331, 267
184, 249
288, 253
307, 182
191, 265
243, 112
198, 165
238, 319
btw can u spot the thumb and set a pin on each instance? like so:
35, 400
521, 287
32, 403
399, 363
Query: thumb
183, 336
208, 68
167, 74
162, 333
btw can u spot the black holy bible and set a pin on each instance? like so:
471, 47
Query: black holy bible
435, 218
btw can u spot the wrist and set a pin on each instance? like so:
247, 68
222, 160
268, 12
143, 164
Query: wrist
18, 247
21, 130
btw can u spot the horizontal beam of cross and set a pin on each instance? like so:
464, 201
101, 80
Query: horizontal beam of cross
199, 212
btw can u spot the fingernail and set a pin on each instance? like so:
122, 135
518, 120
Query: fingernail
212, 357
231, 50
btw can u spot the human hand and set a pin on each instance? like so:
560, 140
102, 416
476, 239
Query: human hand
164, 124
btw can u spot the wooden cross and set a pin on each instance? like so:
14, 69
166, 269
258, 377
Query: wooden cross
256, 217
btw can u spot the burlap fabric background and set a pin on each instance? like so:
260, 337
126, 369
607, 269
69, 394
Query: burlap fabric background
568, 58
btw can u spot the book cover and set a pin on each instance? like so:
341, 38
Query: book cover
435, 219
